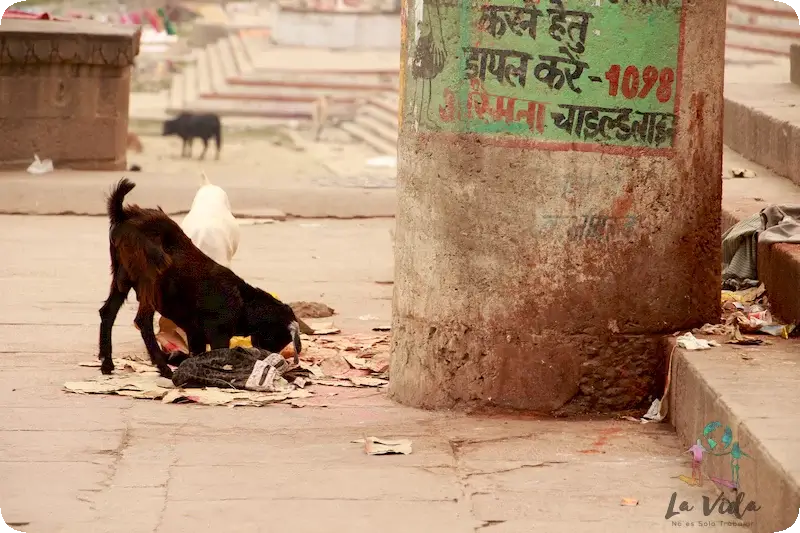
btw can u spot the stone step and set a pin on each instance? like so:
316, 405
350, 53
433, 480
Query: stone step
379, 114
177, 90
365, 135
708, 386
215, 69
308, 80
287, 110
204, 85
778, 266
323, 60
227, 60
762, 117
378, 122
388, 102
243, 62
753, 391
282, 92
190, 86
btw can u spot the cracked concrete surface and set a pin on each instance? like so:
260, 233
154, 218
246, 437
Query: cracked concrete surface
71, 463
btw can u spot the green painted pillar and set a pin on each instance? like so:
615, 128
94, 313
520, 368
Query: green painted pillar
559, 185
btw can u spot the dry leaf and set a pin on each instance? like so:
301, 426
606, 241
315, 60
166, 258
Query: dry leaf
376, 446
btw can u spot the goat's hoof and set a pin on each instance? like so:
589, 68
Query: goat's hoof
107, 366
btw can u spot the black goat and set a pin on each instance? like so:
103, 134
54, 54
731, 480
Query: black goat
153, 256
189, 126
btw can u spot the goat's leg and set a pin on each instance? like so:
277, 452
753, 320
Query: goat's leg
205, 149
219, 336
197, 341
144, 321
108, 314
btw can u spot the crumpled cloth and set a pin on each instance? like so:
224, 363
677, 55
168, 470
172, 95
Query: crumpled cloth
238, 368
774, 224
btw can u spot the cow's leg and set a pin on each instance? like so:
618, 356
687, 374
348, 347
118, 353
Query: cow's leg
205, 148
189, 144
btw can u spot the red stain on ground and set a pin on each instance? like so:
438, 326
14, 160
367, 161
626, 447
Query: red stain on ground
601, 441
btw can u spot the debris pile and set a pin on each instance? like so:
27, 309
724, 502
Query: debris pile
746, 312
244, 376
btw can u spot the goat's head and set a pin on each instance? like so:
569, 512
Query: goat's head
272, 324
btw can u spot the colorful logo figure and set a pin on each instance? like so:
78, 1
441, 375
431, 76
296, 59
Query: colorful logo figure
726, 446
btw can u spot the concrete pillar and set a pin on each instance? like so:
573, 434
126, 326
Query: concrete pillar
559, 187
64, 92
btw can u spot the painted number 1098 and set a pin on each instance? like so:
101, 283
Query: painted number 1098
636, 85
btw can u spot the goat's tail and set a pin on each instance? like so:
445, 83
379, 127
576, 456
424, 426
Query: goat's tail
116, 213
205, 181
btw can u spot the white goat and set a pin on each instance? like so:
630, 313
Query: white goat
210, 224
213, 229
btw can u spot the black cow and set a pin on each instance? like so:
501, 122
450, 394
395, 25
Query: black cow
187, 126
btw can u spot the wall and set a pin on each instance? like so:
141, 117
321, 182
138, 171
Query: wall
336, 30
559, 188
64, 92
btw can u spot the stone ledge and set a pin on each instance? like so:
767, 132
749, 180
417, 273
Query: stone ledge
794, 64
763, 124
26, 42
779, 265
757, 398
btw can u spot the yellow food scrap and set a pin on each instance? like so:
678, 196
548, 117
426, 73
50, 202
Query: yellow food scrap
241, 342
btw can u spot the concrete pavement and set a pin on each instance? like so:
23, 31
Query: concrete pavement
73, 463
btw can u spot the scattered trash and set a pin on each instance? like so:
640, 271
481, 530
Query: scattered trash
629, 502
742, 173
369, 317
353, 360
311, 310
778, 330
40, 167
90, 364
714, 329
688, 341
385, 161
376, 446
325, 328
746, 357
132, 385
654, 414
230, 397
382, 328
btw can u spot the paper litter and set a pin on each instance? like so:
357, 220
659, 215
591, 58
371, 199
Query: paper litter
742, 173
376, 446
688, 341
352, 360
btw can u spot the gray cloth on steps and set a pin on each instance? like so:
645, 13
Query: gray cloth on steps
774, 224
